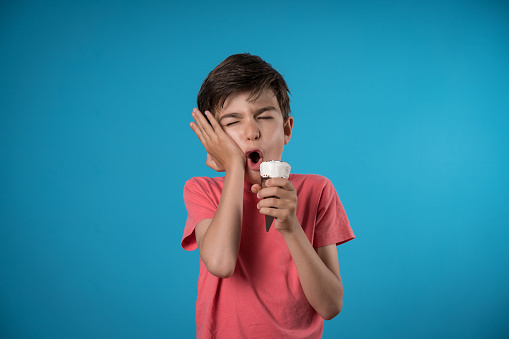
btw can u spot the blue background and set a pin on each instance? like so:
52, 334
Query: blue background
403, 105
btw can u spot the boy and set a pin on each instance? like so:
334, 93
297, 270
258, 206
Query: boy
253, 283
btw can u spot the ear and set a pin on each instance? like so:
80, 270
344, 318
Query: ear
288, 127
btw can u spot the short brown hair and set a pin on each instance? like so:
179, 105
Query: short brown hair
242, 72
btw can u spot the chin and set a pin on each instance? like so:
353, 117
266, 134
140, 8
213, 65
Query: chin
253, 177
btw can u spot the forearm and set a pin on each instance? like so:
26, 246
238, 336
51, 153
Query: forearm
323, 289
219, 246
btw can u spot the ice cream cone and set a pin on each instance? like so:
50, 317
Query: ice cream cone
273, 169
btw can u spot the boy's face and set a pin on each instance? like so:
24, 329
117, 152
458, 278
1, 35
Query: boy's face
257, 127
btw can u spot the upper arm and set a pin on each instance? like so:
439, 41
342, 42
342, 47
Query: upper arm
329, 256
200, 230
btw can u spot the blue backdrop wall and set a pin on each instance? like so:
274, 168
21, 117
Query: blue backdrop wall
403, 105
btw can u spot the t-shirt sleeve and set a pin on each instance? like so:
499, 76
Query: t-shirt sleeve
332, 225
200, 205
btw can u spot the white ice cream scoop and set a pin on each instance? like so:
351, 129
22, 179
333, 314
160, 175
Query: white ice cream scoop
275, 169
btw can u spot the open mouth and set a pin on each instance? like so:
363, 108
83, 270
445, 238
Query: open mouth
254, 159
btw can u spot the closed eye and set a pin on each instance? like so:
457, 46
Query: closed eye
265, 118
231, 123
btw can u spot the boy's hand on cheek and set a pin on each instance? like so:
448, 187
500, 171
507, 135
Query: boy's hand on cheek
223, 153
279, 199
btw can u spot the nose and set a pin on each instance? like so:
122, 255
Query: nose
251, 131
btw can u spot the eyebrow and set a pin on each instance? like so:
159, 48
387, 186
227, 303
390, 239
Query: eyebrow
231, 115
257, 112
264, 109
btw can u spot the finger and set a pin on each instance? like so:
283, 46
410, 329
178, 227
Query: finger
279, 192
205, 125
197, 131
215, 125
269, 192
256, 188
272, 203
280, 182
274, 212
199, 123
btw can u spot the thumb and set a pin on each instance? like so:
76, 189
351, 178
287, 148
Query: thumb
212, 163
256, 188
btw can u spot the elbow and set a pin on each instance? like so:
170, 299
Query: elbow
222, 273
330, 315
332, 311
334, 305
221, 268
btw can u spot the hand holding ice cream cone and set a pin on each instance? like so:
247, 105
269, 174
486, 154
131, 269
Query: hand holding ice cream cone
269, 170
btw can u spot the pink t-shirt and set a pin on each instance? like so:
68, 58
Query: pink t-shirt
263, 298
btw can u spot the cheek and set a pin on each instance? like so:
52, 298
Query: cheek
281, 135
278, 139
235, 135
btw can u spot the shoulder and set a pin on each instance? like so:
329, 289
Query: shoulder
313, 187
313, 181
204, 181
203, 184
